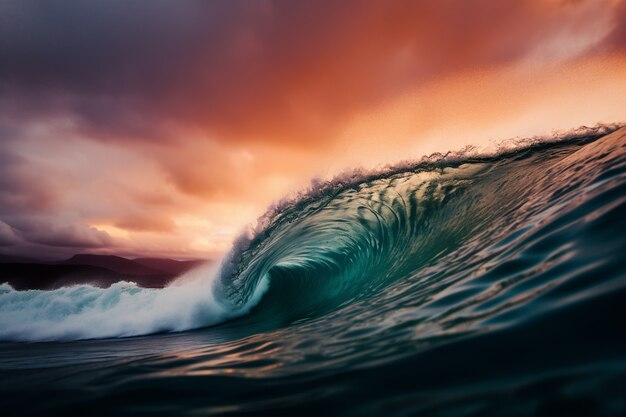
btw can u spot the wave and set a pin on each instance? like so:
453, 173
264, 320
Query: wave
343, 239
351, 237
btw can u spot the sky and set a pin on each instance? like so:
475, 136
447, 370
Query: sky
161, 128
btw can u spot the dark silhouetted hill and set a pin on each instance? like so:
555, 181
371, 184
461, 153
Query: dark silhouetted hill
113, 263
10, 259
100, 270
169, 266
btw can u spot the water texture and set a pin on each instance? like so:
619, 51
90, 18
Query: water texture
459, 285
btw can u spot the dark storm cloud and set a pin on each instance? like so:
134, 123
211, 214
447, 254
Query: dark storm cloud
283, 71
29, 212
69, 236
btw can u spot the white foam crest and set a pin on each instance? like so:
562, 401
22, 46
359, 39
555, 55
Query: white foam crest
123, 309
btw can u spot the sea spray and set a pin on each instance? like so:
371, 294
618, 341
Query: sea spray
123, 309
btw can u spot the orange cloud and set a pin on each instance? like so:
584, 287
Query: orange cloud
166, 133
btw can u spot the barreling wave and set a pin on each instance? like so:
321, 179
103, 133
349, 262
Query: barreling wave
345, 240
348, 237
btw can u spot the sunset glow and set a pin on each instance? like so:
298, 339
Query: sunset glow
167, 133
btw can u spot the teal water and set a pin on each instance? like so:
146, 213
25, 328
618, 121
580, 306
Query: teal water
461, 285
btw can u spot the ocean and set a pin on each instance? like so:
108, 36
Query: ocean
461, 284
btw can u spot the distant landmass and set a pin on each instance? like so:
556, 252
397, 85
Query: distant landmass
100, 270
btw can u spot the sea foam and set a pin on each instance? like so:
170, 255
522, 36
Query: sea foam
123, 309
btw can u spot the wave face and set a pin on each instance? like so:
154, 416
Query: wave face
468, 233
459, 284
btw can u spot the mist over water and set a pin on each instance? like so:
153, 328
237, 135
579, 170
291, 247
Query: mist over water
466, 284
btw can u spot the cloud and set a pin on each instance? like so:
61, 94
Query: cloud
7, 235
289, 72
143, 222
20, 187
164, 129
617, 39
69, 236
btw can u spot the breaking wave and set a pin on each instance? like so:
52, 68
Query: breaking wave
467, 237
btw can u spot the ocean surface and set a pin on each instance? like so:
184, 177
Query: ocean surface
457, 285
